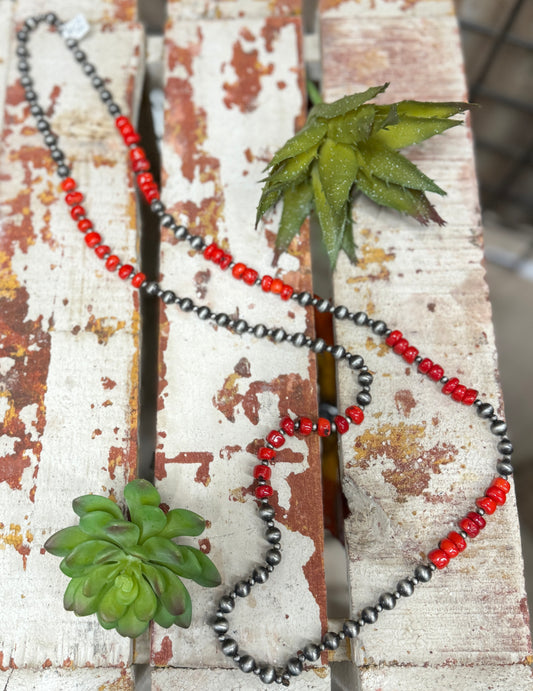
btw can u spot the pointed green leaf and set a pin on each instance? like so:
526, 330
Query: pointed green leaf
292, 169
145, 605
297, 205
430, 109
143, 502
392, 167
182, 522
163, 616
269, 197
172, 592
307, 138
344, 105
332, 223
184, 619
385, 117
101, 525
348, 245
75, 601
129, 625
61, 543
94, 502
353, 127
337, 167
209, 576
89, 554
410, 130
100, 577
141, 492
110, 607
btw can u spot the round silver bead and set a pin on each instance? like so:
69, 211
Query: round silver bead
360, 318
369, 615
322, 306
299, 339
266, 512
504, 468
485, 410
242, 589
405, 587
294, 667
498, 427
260, 574
180, 232
260, 330
168, 297
240, 326
365, 379
379, 328
331, 640
363, 398
152, 288
318, 345
226, 604
186, 305
273, 535
204, 312
338, 352
350, 628
220, 625
267, 674
355, 361
273, 557
304, 299
222, 319
196, 242
505, 446
423, 573
247, 664
341, 312
311, 652
279, 335
387, 601
229, 647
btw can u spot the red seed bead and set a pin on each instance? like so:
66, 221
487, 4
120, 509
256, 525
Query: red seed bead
238, 270
459, 392
449, 548
112, 262
323, 427
436, 372
93, 239
277, 286
126, 129
439, 558
501, 483
287, 425
393, 338
342, 424
85, 224
141, 164
208, 252
151, 194
266, 454
217, 255
138, 280
425, 365
121, 121
497, 495
263, 491
355, 414
144, 178
450, 385
458, 540
132, 138
225, 261
77, 212
276, 438
401, 346
266, 283
250, 276
137, 153
73, 198
478, 520
68, 184
468, 525
262, 472
125, 271
470, 396
286, 292
102, 250
487, 504
306, 425
410, 354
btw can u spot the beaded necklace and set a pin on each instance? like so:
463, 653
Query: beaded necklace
450, 546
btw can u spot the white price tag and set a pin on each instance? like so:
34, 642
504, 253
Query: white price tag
76, 28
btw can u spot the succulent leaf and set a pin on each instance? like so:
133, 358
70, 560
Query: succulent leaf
353, 127
331, 222
129, 573
307, 138
411, 130
337, 166
297, 206
431, 109
344, 105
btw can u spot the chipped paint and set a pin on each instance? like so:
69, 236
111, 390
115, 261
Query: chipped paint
162, 656
200, 458
104, 327
18, 541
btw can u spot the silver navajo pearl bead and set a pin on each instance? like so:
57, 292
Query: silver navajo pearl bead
379, 328
273, 557
423, 573
242, 589
260, 574
247, 664
498, 427
387, 601
504, 468
360, 318
311, 652
369, 615
350, 628
341, 312
273, 535
220, 625
331, 640
226, 604
485, 410
229, 647
355, 361
294, 667
267, 674
266, 512
405, 587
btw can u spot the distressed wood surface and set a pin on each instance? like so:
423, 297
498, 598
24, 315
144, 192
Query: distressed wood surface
234, 94
422, 459
69, 347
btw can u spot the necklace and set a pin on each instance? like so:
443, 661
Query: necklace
449, 546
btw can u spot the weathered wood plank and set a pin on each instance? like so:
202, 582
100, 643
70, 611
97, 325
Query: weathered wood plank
229, 679
69, 345
234, 93
422, 459
103, 679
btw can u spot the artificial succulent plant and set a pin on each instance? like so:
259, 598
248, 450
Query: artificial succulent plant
129, 572
351, 145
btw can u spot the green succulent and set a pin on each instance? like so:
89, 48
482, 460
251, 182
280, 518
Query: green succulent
129, 572
351, 145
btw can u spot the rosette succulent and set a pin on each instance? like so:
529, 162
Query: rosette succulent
351, 145
129, 572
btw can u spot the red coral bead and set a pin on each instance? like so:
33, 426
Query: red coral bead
323, 427
208, 252
470, 396
342, 424
487, 504
277, 286
92, 239
132, 138
102, 250
145, 178
263, 491
127, 128
355, 414
450, 385
225, 261
77, 212
393, 338
250, 276
459, 392
501, 483
401, 346
468, 525
141, 164
73, 198
262, 472
138, 280
125, 271
85, 224
449, 548
151, 194
112, 262
121, 121
68, 184
458, 540
478, 520
217, 255
439, 558
276, 438
410, 354
425, 365
497, 495
238, 270
137, 153
287, 425
306, 425
266, 283
436, 372
266, 454
286, 291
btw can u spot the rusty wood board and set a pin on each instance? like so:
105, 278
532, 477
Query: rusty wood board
69, 349
422, 459
234, 94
